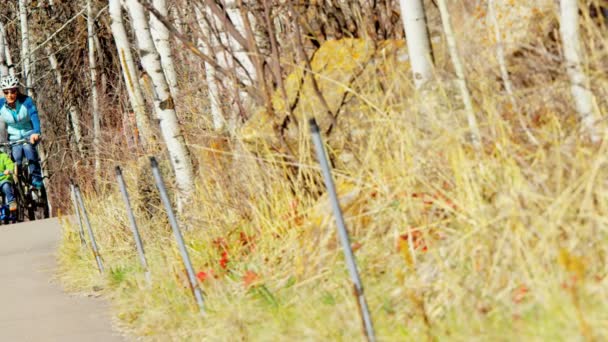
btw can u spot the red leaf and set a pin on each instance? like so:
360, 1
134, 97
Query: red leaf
224, 260
202, 276
249, 278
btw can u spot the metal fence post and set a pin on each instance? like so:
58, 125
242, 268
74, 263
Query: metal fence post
134, 229
178, 234
91, 235
343, 233
77, 211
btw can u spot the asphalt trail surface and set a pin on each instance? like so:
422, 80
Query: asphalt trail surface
33, 307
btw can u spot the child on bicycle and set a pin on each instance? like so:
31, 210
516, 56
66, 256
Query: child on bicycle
19, 117
6, 180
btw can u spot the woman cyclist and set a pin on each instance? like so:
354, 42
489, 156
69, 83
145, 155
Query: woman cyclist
19, 117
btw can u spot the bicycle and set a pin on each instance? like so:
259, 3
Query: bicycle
6, 216
29, 199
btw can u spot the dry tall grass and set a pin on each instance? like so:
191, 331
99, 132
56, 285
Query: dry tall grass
452, 243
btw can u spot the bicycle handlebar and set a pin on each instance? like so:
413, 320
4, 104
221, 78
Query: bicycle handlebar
16, 142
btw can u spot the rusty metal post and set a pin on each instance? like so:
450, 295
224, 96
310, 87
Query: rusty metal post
90, 229
136, 236
83, 242
178, 235
342, 232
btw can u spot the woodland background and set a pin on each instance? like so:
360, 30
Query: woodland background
474, 188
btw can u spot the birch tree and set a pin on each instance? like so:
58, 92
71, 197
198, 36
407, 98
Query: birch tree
28, 75
127, 63
3, 65
579, 83
160, 35
7, 51
25, 47
163, 104
241, 54
176, 15
213, 91
459, 69
417, 38
94, 94
234, 54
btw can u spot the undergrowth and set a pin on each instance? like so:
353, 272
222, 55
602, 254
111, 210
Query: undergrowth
453, 243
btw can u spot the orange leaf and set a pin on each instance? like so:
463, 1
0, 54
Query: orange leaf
249, 278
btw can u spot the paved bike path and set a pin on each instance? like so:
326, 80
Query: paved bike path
33, 307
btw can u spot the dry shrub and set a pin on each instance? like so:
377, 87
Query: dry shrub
452, 242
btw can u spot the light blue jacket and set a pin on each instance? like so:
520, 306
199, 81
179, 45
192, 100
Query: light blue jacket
22, 121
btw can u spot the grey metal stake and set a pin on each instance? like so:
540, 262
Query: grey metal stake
178, 234
91, 235
344, 239
134, 229
77, 211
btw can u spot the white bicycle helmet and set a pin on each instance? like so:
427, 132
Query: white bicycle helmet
9, 82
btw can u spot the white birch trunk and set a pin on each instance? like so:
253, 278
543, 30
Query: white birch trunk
73, 111
160, 34
28, 77
579, 84
239, 51
25, 47
9, 61
94, 94
244, 70
136, 97
177, 17
3, 65
164, 105
460, 77
213, 90
7, 51
417, 38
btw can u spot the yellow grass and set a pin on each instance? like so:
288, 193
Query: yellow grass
452, 243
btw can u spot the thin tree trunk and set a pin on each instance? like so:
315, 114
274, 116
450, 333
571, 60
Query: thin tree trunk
3, 65
25, 48
164, 105
94, 93
100, 61
7, 51
460, 77
136, 97
160, 34
243, 64
276, 58
213, 91
74, 114
230, 28
248, 70
579, 84
504, 72
417, 38
176, 14
28, 76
